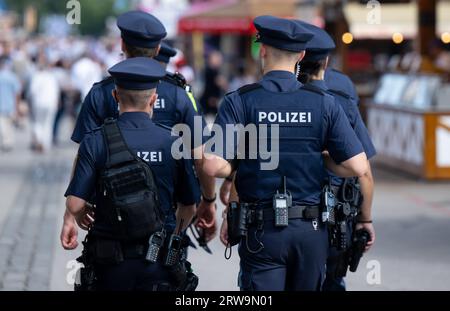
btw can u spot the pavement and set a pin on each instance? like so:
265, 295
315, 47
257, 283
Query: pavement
412, 217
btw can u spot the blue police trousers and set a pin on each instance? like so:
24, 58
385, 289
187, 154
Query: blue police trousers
293, 258
132, 274
333, 283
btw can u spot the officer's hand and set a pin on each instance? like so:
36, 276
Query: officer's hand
206, 215
86, 218
224, 232
210, 233
69, 234
225, 191
369, 227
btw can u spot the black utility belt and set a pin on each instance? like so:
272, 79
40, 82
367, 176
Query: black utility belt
134, 250
113, 251
295, 212
257, 212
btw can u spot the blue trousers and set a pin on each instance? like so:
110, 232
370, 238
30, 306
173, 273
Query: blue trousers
293, 258
333, 283
132, 274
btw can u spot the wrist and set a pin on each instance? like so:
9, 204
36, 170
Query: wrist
68, 217
229, 178
209, 199
364, 221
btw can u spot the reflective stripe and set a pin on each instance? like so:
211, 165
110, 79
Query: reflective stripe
191, 97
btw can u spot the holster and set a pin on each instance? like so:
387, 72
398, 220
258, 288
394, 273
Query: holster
106, 251
350, 192
182, 277
86, 278
237, 222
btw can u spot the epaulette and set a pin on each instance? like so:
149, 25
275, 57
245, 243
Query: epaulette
340, 93
248, 88
107, 80
176, 79
311, 88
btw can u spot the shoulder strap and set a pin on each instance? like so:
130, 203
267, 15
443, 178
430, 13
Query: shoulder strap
176, 79
117, 149
247, 88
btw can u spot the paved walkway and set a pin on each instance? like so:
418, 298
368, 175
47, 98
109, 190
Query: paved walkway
412, 217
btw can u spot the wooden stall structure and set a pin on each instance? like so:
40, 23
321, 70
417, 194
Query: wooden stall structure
416, 141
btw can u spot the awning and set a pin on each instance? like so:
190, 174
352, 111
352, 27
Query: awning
232, 16
368, 23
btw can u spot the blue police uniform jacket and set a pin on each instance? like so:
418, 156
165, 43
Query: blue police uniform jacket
309, 123
152, 143
173, 106
350, 107
338, 81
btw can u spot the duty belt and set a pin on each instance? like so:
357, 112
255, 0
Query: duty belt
134, 250
308, 212
295, 212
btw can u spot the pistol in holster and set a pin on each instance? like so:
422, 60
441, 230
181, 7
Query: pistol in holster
182, 277
350, 258
86, 279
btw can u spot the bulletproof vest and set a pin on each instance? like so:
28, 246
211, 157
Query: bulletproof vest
299, 116
165, 108
130, 206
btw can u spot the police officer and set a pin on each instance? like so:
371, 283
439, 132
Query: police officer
291, 257
141, 37
313, 70
166, 52
136, 80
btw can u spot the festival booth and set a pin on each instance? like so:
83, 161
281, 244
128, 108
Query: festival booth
409, 121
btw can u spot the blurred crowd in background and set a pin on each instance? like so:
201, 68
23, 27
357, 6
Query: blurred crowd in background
43, 79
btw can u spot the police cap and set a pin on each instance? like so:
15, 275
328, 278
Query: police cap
137, 73
141, 29
320, 46
165, 53
281, 33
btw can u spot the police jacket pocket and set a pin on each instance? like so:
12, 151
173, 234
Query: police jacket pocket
140, 217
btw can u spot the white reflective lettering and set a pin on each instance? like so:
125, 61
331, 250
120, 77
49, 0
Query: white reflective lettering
160, 104
302, 117
154, 156
262, 115
272, 117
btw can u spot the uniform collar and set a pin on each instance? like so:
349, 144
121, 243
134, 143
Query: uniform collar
320, 84
135, 120
280, 81
279, 74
